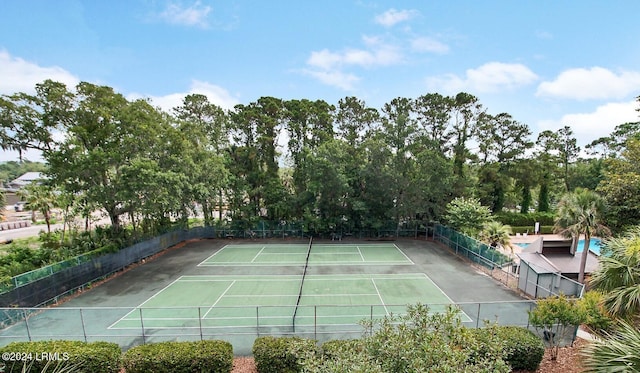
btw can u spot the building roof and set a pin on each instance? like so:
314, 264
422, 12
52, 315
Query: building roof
559, 263
25, 180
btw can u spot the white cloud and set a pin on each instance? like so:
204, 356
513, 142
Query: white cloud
328, 66
334, 78
216, 95
593, 83
324, 59
393, 16
18, 75
490, 77
193, 15
599, 123
430, 45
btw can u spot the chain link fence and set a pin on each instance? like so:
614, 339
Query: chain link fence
240, 325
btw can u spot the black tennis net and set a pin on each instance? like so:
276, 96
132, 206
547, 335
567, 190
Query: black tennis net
304, 274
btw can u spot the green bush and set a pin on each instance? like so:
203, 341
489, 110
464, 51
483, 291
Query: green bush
339, 347
521, 220
180, 357
76, 356
544, 229
282, 354
598, 320
522, 349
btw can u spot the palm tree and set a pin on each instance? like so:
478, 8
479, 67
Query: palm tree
580, 212
619, 275
615, 352
40, 198
495, 234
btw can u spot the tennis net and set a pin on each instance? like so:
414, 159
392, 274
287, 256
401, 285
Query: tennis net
304, 274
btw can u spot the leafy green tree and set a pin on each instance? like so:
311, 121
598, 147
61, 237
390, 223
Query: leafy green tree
547, 159
329, 184
355, 123
255, 165
612, 145
465, 112
433, 116
398, 128
503, 141
581, 213
556, 317
616, 351
621, 186
204, 127
467, 215
618, 277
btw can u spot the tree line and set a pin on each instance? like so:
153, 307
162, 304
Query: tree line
344, 167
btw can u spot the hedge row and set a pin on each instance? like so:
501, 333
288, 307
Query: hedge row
62, 356
103, 357
521, 220
544, 229
281, 354
522, 349
180, 357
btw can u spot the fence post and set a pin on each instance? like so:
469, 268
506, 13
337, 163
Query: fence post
315, 322
84, 330
257, 321
478, 316
26, 323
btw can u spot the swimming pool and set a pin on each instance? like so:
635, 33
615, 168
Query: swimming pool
594, 245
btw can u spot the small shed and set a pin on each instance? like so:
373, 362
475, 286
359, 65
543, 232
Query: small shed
551, 267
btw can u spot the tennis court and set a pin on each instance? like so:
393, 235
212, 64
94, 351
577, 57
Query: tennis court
296, 254
240, 290
233, 301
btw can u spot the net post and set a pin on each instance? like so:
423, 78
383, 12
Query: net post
200, 322
258, 321
304, 274
144, 338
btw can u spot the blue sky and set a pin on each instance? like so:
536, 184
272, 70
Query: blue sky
547, 63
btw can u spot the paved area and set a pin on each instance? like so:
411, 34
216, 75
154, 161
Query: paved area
92, 312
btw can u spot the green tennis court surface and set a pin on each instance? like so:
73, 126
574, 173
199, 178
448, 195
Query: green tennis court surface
270, 300
295, 254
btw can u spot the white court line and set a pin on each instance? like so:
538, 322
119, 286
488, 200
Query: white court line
142, 304
212, 255
360, 252
402, 252
296, 295
208, 278
218, 300
257, 255
380, 296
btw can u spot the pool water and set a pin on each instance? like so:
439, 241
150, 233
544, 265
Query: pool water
594, 245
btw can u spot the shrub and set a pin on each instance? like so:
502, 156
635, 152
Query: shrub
282, 354
339, 347
76, 356
556, 317
180, 357
597, 319
522, 349
528, 220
